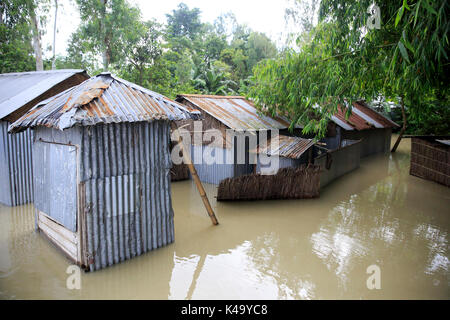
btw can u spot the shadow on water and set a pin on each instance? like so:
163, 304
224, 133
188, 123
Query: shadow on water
299, 249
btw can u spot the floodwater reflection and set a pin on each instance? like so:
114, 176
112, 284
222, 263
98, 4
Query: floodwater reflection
305, 249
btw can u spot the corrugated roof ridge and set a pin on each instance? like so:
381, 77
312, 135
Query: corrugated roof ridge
210, 96
150, 93
70, 107
365, 106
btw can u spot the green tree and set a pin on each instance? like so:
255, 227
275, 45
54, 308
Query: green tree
107, 26
259, 47
405, 61
15, 39
184, 22
20, 34
144, 51
213, 80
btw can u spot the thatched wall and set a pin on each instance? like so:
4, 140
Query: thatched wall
430, 160
289, 183
179, 172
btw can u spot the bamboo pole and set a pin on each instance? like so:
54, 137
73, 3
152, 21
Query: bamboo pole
399, 139
198, 183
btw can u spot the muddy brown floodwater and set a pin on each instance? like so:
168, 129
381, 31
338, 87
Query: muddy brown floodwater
303, 249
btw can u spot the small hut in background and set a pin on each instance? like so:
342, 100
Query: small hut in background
222, 113
293, 176
19, 92
292, 152
102, 169
430, 159
365, 124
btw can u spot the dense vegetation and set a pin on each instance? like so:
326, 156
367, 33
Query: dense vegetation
404, 60
335, 60
185, 55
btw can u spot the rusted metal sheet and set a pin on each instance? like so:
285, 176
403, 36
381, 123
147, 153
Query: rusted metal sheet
374, 115
288, 147
18, 89
361, 118
235, 112
102, 99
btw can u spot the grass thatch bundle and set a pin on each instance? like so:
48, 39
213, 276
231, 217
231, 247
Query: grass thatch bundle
289, 183
179, 172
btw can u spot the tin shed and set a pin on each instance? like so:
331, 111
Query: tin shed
102, 170
365, 124
19, 92
292, 152
224, 113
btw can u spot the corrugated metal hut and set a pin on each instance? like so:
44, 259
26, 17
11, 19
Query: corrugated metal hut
365, 124
222, 113
292, 152
102, 170
430, 159
19, 92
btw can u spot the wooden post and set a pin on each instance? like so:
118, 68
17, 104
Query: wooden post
397, 143
198, 183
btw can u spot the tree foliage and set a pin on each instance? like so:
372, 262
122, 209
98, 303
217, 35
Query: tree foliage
184, 55
16, 34
404, 61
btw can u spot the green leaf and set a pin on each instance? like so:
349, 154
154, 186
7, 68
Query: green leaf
417, 12
402, 49
407, 43
428, 7
400, 14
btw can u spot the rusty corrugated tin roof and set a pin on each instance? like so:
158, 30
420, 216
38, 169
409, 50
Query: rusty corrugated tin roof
102, 99
19, 88
235, 112
289, 147
361, 118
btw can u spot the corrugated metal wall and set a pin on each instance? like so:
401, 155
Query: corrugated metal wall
16, 169
55, 176
374, 141
125, 171
343, 160
213, 173
284, 163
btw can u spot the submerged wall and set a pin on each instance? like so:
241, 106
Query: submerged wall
284, 163
16, 169
123, 204
336, 163
215, 172
374, 141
